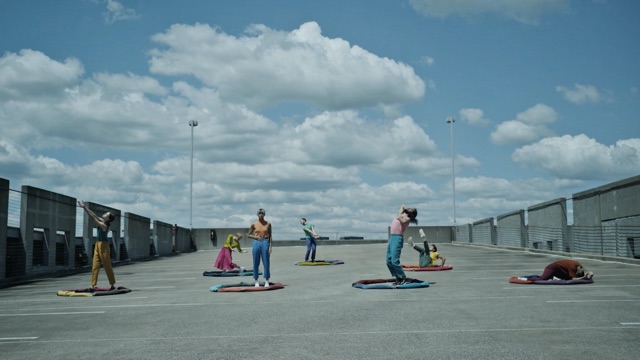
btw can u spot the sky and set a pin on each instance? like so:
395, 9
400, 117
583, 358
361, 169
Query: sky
332, 110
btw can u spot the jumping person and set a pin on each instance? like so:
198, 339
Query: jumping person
396, 241
564, 270
224, 261
102, 251
260, 232
310, 235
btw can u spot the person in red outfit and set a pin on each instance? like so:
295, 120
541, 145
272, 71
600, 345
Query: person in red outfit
564, 270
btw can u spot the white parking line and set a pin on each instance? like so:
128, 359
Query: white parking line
343, 334
590, 286
154, 287
93, 306
576, 301
60, 313
18, 338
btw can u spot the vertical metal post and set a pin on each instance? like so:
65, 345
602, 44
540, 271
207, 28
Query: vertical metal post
192, 124
450, 121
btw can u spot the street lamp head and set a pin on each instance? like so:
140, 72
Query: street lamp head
450, 120
193, 123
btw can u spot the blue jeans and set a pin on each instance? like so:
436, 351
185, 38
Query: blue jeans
396, 242
261, 250
311, 248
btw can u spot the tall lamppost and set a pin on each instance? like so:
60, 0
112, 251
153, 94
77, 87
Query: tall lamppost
450, 121
192, 124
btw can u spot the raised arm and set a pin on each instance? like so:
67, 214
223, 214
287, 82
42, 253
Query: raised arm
98, 220
237, 241
402, 216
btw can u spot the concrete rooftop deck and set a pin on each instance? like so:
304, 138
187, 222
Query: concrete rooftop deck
470, 312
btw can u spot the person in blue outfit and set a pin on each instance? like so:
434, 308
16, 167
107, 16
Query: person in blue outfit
260, 232
396, 241
310, 235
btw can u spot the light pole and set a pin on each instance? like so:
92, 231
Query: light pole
450, 121
192, 124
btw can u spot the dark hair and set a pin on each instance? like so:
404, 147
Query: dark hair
261, 211
435, 248
303, 219
111, 218
412, 215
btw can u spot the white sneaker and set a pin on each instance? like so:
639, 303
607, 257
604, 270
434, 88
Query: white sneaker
422, 234
241, 269
410, 241
266, 283
257, 283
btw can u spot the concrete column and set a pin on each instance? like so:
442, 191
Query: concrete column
4, 216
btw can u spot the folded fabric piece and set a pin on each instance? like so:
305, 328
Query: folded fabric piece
319, 262
389, 284
245, 287
525, 280
220, 273
414, 267
96, 291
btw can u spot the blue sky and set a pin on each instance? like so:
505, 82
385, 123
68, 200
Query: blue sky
330, 110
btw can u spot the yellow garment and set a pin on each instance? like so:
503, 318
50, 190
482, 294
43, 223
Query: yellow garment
232, 242
102, 256
434, 258
73, 293
314, 263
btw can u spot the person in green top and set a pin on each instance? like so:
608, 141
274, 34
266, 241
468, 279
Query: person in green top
310, 235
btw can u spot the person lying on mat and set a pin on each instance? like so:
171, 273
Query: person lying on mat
564, 270
429, 255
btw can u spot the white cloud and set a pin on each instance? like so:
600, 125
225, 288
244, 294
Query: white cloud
427, 60
474, 117
527, 127
528, 12
117, 12
32, 74
240, 156
580, 157
266, 66
581, 94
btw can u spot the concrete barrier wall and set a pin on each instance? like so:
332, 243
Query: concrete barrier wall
548, 225
483, 232
137, 236
53, 213
511, 229
163, 237
464, 233
4, 217
617, 200
606, 220
182, 239
435, 234
204, 239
